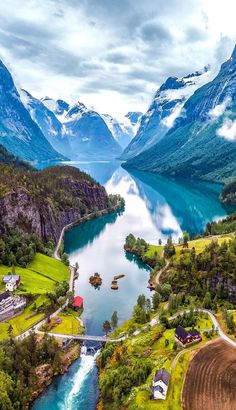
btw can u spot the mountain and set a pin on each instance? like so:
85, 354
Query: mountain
58, 107
43, 202
9, 159
48, 123
163, 111
134, 117
89, 136
18, 132
123, 132
202, 144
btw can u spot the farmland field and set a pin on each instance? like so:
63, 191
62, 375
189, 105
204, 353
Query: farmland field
211, 379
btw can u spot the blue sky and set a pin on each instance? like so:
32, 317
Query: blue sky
112, 55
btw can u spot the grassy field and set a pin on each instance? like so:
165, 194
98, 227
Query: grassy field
50, 267
200, 244
40, 276
70, 324
154, 248
22, 322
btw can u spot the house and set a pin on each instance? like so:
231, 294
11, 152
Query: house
6, 278
78, 303
160, 384
12, 282
187, 336
4, 298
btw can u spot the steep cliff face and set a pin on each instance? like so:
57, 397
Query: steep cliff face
44, 202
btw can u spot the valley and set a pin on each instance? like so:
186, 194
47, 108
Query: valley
117, 206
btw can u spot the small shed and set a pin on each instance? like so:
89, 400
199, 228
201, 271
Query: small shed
78, 303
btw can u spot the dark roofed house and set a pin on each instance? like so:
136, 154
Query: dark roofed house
160, 384
78, 303
196, 335
187, 336
4, 296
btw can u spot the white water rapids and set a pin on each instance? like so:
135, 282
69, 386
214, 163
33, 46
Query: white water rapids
87, 364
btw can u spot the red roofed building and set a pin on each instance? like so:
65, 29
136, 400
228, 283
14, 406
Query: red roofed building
78, 303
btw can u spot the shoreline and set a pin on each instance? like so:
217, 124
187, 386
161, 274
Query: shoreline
81, 220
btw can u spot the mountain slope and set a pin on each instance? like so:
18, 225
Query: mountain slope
48, 123
9, 159
123, 132
89, 135
163, 111
58, 107
202, 143
43, 202
18, 132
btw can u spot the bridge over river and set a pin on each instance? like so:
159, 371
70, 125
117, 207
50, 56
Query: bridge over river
84, 337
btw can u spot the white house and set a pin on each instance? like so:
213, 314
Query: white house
160, 384
11, 282
11, 285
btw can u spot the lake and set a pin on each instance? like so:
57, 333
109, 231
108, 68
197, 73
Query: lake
155, 208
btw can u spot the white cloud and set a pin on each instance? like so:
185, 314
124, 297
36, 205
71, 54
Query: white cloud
219, 109
111, 54
228, 130
170, 120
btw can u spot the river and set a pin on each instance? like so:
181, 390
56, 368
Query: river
155, 208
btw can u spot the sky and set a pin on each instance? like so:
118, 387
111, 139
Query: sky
112, 54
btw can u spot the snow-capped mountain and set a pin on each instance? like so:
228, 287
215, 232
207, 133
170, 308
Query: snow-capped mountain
18, 132
123, 131
166, 106
202, 143
88, 134
134, 117
58, 107
50, 126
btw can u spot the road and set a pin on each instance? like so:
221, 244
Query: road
153, 322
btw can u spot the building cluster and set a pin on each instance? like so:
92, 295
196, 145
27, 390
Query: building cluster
161, 378
11, 304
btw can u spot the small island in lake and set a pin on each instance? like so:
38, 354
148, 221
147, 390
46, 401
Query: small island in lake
114, 285
119, 276
95, 280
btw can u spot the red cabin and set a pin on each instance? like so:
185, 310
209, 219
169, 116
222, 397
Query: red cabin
78, 303
187, 336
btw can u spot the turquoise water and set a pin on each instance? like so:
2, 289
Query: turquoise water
155, 207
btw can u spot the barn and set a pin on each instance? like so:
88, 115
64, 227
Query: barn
78, 303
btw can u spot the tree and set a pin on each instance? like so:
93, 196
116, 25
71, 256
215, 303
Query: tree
186, 238
106, 327
159, 241
10, 331
207, 300
61, 300
141, 301
65, 259
114, 319
156, 300
139, 314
